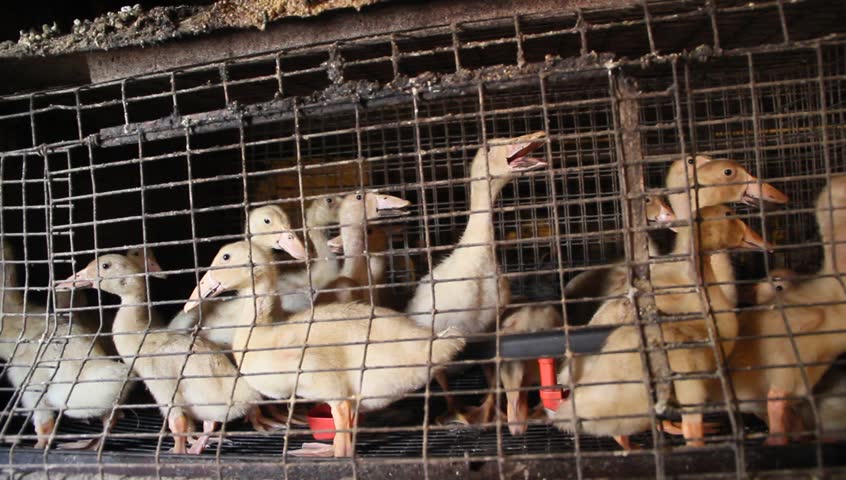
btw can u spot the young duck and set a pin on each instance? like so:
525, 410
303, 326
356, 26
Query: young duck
357, 209
470, 305
473, 305
294, 286
270, 228
716, 182
829, 392
70, 364
188, 377
333, 336
820, 341
516, 375
622, 409
603, 282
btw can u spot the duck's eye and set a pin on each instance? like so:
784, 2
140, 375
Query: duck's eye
648, 201
358, 197
267, 221
106, 266
290, 237
225, 257
728, 214
690, 160
728, 172
329, 200
779, 288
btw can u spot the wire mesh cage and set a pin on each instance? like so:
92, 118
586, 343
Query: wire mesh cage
479, 271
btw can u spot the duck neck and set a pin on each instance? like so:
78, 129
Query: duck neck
133, 317
681, 246
482, 197
355, 263
318, 236
260, 307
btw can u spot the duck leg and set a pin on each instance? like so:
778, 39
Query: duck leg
778, 415
200, 445
623, 441
109, 422
178, 424
674, 428
277, 414
693, 430
262, 423
43, 429
484, 412
342, 415
453, 413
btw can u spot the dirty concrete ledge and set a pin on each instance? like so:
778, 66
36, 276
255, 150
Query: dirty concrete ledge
172, 37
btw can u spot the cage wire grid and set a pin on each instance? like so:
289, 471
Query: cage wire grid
175, 160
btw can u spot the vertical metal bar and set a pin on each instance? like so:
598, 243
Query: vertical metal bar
647, 17
395, 56
480, 87
280, 91
424, 458
521, 55
715, 30
556, 253
636, 245
456, 47
783, 21
292, 401
714, 335
581, 26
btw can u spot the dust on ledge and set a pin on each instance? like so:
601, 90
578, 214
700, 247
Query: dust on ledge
135, 26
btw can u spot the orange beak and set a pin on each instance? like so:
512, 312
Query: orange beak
81, 279
764, 191
751, 238
207, 288
291, 243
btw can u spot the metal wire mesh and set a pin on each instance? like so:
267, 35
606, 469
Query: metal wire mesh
174, 161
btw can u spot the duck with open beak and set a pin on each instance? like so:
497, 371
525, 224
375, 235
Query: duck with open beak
518, 158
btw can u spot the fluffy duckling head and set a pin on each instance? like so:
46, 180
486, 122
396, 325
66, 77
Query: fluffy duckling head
780, 280
271, 228
323, 211
144, 257
233, 268
682, 167
358, 207
724, 181
657, 210
719, 228
112, 273
506, 157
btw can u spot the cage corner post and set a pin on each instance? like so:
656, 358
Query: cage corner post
636, 246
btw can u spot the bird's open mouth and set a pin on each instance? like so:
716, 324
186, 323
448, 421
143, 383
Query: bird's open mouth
520, 161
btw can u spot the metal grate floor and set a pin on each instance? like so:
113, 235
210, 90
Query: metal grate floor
141, 430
